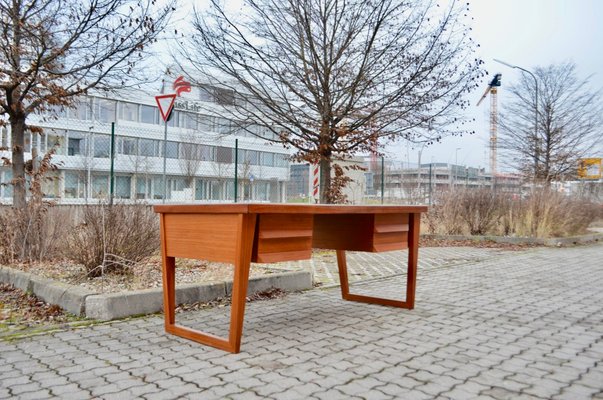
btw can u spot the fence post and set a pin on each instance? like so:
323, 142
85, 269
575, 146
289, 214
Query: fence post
430, 190
112, 173
236, 164
382, 178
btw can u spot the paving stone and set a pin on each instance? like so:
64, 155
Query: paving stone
498, 325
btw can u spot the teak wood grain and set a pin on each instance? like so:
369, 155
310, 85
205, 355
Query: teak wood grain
242, 233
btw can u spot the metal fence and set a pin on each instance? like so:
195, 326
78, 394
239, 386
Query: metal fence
103, 161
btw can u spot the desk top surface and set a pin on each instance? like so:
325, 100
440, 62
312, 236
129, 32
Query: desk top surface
277, 208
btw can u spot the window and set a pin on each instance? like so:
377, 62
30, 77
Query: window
76, 143
206, 123
128, 111
149, 114
225, 97
27, 140
100, 186
71, 185
143, 188
57, 140
123, 187
102, 146
58, 111
81, 110
106, 110
223, 126
262, 191
171, 150
148, 148
158, 187
174, 117
127, 145
216, 190
188, 120
8, 189
268, 159
224, 154
206, 93
42, 143
4, 137
202, 190
251, 157
50, 184
280, 160
208, 153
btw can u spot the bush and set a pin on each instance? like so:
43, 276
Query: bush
111, 238
542, 213
32, 234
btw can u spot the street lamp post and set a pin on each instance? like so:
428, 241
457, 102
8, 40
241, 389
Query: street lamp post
536, 150
456, 161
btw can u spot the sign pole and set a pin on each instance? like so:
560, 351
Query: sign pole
166, 104
165, 124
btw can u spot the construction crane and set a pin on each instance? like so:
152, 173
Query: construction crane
493, 119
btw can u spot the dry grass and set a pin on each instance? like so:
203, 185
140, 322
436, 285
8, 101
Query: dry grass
112, 238
542, 213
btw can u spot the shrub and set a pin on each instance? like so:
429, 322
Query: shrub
541, 213
111, 238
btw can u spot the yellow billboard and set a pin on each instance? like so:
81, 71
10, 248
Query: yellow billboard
590, 168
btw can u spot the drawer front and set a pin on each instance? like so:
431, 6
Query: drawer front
390, 232
201, 236
283, 237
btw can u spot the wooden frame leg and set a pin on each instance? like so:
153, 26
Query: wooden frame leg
411, 279
245, 236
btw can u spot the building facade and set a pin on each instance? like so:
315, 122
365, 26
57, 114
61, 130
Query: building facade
201, 153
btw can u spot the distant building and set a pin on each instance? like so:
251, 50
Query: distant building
299, 187
419, 183
199, 152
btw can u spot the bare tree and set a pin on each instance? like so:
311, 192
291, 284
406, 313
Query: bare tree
54, 50
331, 78
569, 122
191, 156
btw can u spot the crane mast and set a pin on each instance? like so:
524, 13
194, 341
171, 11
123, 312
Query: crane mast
493, 129
492, 89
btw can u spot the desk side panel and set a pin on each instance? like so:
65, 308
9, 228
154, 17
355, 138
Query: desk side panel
201, 236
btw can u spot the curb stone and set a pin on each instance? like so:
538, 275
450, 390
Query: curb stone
104, 307
551, 242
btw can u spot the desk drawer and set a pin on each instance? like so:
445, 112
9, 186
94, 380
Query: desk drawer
390, 232
283, 237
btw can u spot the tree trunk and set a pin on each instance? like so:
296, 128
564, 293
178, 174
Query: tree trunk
325, 180
18, 161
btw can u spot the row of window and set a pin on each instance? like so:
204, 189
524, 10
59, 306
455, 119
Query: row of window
74, 143
104, 110
152, 188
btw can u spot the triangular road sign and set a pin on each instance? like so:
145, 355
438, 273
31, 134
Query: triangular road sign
165, 103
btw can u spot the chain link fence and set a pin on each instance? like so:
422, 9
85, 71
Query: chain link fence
101, 161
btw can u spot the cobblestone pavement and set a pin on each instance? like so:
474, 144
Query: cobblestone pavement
521, 325
362, 266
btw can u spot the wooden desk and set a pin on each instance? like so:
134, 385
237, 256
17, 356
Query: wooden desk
267, 233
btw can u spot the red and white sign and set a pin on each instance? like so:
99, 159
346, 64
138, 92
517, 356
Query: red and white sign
165, 103
315, 171
180, 85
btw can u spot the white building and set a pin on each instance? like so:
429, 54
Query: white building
199, 151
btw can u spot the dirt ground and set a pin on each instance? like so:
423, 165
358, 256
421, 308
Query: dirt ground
22, 312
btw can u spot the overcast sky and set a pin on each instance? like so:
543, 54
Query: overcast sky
526, 33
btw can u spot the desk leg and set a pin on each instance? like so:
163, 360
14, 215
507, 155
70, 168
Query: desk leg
411, 280
244, 244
